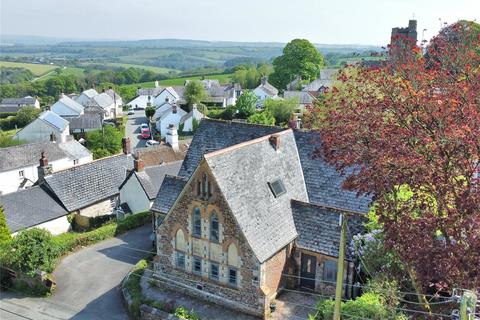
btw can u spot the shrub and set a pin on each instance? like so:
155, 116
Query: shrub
183, 313
95, 222
281, 110
8, 123
246, 104
26, 115
264, 117
133, 221
30, 251
132, 284
4, 230
228, 113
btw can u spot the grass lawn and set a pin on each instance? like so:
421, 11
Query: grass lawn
36, 69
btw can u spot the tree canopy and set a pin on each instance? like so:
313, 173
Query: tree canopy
26, 115
265, 117
299, 58
410, 131
194, 93
4, 230
281, 109
104, 143
246, 104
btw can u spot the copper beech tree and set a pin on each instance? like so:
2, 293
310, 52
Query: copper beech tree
411, 132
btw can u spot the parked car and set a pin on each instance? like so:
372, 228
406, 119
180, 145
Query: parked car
144, 126
151, 143
131, 111
145, 133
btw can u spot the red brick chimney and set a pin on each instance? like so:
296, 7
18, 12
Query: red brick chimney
44, 169
138, 165
275, 141
126, 145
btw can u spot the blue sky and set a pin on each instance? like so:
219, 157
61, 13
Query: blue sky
320, 21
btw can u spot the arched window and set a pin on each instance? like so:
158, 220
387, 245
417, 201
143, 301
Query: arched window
197, 223
232, 260
214, 227
180, 241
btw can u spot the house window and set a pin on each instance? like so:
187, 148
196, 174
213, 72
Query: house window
214, 234
197, 223
180, 259
75, 162
214, 271
197, 265
21, 174
277, 188
330, 271
232, 276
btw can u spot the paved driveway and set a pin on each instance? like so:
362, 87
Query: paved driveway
132, 129
88, 283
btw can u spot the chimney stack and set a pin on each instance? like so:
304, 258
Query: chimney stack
172, 137
275, 141
264, 80
138, 165
44, 169
126, 145
174, 108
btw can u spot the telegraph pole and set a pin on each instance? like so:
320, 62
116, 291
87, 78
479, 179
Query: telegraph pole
340, 267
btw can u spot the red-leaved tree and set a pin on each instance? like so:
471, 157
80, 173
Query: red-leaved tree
411, 132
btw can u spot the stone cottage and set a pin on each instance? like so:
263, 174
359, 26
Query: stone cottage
250, 213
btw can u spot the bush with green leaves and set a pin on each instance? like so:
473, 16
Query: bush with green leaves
281, 109
4, 230
26, 115
32, 250
132, 284
149, 111
246, 104
183, 313
194, 93
265, 117
104, 142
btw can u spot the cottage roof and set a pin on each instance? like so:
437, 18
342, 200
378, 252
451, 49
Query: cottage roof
169, 191
25, 101
26, 155
86, 184
153, 92
113, 94
194, 113
90, 92
151, 178
75, 149
69, 103
88, 120
30, 207
268, 88
103, 100
162, 153
302, 96
245, 173
319, 230
54, 120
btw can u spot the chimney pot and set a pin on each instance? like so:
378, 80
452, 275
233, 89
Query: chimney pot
275, 141
44, 169
126, 145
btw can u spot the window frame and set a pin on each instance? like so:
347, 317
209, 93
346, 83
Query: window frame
210, 274
274, 190
327, 269
196, 259
212, 216
196, 213
230, 269
21, 174
179, 254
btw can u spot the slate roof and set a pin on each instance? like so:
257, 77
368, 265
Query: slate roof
90, 92
194, 113
26, 155
86, 184
25, 101
103, 100
318, 228
213, 135
54, 120
9, 108
151, 178
113, 94
75, 149
268, 88
153, 92
87, 121
162, 153
243, 173
322, 180
69, 103
317, 84
324, 183
169, 191
30, 207
302, 96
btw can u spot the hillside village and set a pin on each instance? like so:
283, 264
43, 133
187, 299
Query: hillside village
289, 199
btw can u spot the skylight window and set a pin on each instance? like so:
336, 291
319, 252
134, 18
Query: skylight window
277, 188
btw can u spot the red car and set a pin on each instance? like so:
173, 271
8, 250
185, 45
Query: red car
145, 133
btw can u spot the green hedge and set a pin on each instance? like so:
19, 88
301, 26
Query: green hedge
7, 114
133, 221
8, 123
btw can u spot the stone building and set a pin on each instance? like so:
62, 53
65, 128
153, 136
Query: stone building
252, 212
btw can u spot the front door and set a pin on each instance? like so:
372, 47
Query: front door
307, 271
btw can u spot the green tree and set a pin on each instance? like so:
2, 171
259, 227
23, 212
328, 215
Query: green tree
300, 58
109, 141
194, 93
265, 117
26, 115
281, 110
4, 230
246, 104
149, 111
32, 250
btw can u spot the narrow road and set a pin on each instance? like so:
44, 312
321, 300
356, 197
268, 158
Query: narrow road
87, 282
132, 129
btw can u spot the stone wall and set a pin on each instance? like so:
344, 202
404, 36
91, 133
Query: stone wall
274, 267
246, 296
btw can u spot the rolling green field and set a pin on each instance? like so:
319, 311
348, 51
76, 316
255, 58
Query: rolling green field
138, 66
36, 69
222, 78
